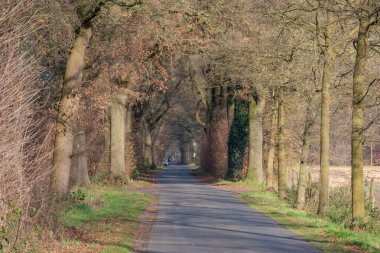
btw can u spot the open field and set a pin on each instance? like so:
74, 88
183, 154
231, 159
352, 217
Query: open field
341, 176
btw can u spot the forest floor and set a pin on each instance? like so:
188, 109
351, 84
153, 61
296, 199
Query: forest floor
108, 218
334, 237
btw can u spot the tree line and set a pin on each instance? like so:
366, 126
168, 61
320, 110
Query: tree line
95, 90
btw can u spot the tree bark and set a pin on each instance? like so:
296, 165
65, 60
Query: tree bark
79, 170
148, 144
130, 152
255, 158
107, 141
302, 175
329, 57
217, 133
68, 108
106, 156
272, 146
357, 149
118, 115
282, 171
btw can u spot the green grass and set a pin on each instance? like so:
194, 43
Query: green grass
324, 234
109, 214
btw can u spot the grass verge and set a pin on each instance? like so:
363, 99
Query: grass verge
104, 220
322, 233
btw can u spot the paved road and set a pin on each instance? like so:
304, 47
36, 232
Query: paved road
193, 217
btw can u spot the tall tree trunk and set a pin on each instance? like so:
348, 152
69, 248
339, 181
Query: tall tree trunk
68, 108
107, 141
302, 175
106, 156
272, 146
329, 57
255, 158
118, 115
282, 171
358, 95
129, 154
148, 144
79, 170
217, 132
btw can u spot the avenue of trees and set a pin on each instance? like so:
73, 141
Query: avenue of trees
95, 90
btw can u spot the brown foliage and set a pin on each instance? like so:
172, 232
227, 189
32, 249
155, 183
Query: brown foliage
24, 156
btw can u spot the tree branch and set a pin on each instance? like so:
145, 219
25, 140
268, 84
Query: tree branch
198, 116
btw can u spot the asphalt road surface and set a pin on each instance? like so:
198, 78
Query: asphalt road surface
194, 217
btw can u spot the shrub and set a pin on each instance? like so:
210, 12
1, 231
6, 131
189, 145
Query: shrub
24, 146
340, 205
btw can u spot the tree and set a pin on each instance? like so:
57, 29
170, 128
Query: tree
302, 175
328, 53
255, 158
67, 118
68, 112
282, 171
367, 17
271, 149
